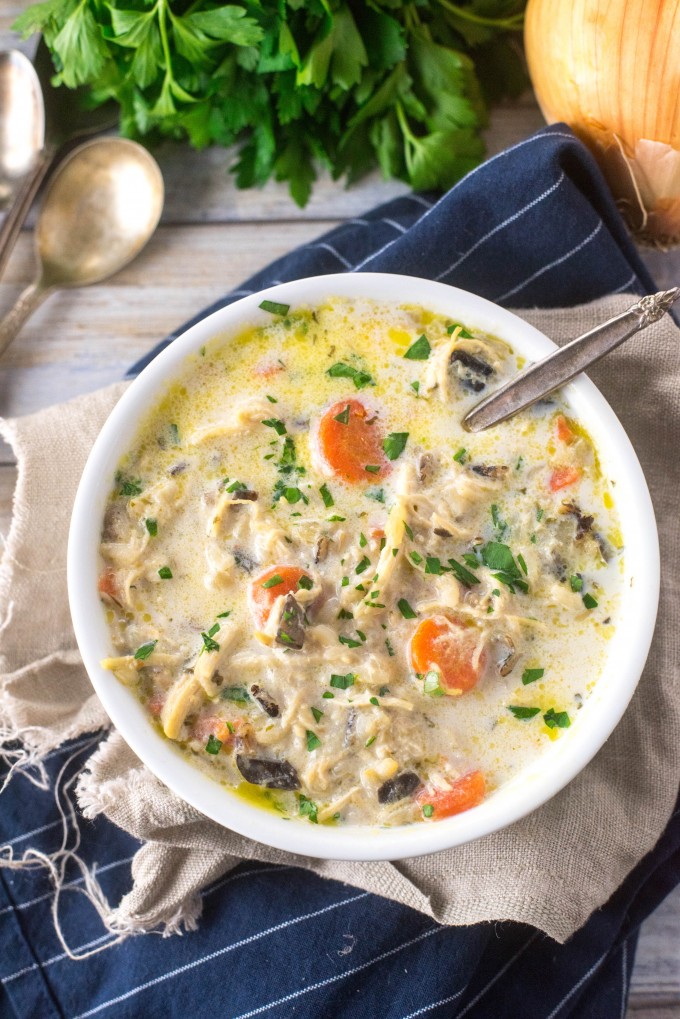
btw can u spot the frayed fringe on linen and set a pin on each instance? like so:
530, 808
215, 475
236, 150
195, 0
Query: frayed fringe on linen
117, 922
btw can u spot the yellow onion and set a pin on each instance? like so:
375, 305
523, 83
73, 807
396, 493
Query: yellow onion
611, 71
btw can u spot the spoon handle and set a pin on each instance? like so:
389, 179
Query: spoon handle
26, 304
18, 210
555, 370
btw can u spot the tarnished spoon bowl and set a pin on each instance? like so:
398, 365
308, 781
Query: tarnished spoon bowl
101, 207
22, 122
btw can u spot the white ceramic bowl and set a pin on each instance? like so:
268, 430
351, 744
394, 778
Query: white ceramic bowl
560, 762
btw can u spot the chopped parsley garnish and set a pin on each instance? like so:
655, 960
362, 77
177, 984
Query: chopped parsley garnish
313, 740
308, 808
415, 386
394, 444
416, 557
405, 609
420, 350
390, 649
408, 530
471, 559
432, 685
343, 416
327, 695
466, 578
238, 694
576, 582
235, 486
288, 461
499, 558
589, 601
291, 493
539, 514
520, 712
165, 573
335, 518
208, 643
372, 468
144, 650
361, 379
151, 526
498, 521
328, 500
344, 582
383, 691
433, 565
272, 399
374, 701
272, 581
363, 540
342, 682
223, 615
428, 810
276, 424
523, 565
305, 583
556, 719
274, 308
349, 641
129, 488
213, 745
318, 714
174, 433
464, 333
532, 675
361, 635
369, 741
363, 564
459, 457
378, 494
344, 614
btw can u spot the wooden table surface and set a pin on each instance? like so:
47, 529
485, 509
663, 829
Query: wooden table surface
211, 237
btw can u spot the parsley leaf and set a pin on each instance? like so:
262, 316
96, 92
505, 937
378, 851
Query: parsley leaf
420, 350
394, 444
340, 370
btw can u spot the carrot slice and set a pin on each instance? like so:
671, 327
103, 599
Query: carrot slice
108, 585
466, 793
447, 646
565, 432
350, 441
211, 725
562, 477
268, 586
266, 369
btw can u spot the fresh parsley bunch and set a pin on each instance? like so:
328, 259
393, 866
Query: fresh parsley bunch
297, 83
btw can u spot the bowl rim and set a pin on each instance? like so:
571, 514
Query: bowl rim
523, 793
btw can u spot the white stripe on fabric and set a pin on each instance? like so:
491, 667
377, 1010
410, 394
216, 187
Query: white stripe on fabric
36, 831
338, 976
375, 254
435, 1004
64, 887
576, 987
56, 958
420, 200
551, 265
501, 226
624, 286
499, 155
393, 223
624, 979
498, 975
329, 247
217, 953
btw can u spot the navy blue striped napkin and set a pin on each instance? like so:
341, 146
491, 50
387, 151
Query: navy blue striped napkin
534, 226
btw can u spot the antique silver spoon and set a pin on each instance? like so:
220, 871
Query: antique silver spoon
545, 376
101, 207
22, 122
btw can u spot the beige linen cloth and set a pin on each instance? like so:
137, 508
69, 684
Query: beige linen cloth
551, 869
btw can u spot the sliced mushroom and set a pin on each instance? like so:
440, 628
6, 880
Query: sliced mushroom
267, 703
246, 495
496, 471
272, 774
472, 370
244, 560
584, 522
321, 548
399, 787
508, 657
178, 468
426, 467
442, 532
291, 629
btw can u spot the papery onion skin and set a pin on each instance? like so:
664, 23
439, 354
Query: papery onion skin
611, 71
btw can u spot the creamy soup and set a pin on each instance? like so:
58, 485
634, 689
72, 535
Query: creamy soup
332, 598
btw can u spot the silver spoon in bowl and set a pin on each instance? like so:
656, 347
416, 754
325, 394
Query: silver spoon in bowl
101, 207
545, 376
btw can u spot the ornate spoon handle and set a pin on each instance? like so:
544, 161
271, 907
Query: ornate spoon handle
545, 376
